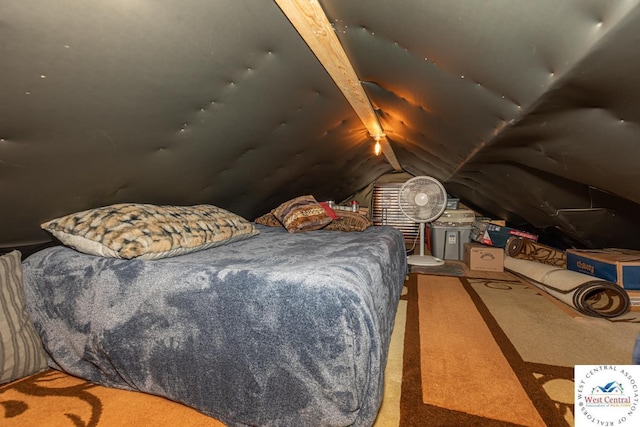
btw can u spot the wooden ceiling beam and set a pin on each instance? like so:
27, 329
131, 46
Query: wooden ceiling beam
309, 19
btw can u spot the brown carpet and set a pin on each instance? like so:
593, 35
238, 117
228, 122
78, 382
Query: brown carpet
465, 352
464, 345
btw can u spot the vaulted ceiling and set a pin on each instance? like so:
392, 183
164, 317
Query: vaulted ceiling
526, 111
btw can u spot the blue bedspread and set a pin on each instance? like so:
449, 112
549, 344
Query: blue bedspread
277, 330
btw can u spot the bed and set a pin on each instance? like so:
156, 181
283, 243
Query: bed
280, 328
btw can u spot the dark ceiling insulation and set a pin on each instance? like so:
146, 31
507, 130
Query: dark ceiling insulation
526, 111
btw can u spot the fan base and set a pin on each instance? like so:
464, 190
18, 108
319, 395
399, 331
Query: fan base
424, 260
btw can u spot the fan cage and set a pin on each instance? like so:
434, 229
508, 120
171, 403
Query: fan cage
437, 199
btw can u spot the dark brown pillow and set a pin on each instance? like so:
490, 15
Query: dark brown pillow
303, 213
349, 221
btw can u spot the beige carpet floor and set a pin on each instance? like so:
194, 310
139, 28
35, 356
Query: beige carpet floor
498, 352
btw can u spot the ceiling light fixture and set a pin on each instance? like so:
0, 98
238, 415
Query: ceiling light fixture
313, 25
378, 148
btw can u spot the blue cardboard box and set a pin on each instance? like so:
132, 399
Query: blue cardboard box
621, 266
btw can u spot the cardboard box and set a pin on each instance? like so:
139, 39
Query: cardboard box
621, 266
496, 235
483, 258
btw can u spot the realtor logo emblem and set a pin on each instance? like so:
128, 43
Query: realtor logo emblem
607, 395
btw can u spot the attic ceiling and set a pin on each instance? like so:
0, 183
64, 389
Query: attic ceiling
526, 111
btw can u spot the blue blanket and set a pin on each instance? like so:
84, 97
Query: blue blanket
277, 330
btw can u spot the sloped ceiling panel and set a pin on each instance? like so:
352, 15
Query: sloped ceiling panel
579, 135
511, 104
525, 110
166, 102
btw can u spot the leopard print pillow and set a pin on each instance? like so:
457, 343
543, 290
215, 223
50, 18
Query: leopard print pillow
144, 231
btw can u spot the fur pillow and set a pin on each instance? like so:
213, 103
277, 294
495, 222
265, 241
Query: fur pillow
303, 213
130, 230
269, 220
349, 221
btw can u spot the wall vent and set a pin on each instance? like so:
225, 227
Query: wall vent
386, 211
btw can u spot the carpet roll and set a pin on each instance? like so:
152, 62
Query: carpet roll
588, 295
520, 248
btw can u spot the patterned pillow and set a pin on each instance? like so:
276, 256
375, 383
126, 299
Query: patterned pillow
303, 213
269, 220
349, 221
21, 351
131, 230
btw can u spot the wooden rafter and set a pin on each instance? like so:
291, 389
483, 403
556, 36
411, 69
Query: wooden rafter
312, 24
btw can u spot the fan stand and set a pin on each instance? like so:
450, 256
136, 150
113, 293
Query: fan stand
422, 259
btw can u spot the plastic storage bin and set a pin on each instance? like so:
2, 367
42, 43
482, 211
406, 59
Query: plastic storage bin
447, 241
456, 216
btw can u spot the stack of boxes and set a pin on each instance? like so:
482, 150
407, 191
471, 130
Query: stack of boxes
459, 235
490, 238
621, 266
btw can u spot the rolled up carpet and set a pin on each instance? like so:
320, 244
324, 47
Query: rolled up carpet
589, 295
520, 248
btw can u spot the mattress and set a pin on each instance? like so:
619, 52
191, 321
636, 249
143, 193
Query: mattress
279, 329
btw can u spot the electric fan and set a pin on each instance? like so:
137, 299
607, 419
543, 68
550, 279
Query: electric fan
422, 199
